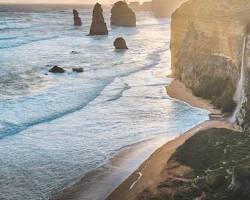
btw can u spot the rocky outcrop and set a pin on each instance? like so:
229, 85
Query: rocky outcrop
77, 69
57, 70
135, 5
210, 48
77, 19
98, 25
145, 6
122, 15
120, 43
164, 8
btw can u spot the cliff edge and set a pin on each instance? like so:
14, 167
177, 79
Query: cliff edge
210, 47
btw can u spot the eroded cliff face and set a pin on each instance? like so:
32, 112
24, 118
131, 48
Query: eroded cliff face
210, 47
165, 8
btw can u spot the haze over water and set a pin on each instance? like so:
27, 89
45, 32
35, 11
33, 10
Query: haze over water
56, 128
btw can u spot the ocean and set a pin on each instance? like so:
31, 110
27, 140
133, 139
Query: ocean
56, 128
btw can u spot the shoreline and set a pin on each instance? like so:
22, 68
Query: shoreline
177, 90
100, 182
150, 173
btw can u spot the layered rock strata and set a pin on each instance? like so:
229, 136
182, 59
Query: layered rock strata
122, 15
120, 43
210, 50
98, 25
164, 8
77, 19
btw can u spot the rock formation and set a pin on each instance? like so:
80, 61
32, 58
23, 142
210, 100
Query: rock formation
120, 43
210, 50
135, 5
164, 8
56, 69
145, 6
77, 19
78, 70
98, 25
122, 15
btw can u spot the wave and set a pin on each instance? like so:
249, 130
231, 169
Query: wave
25, 42
12, 28
12, 129
8, 38
9, 129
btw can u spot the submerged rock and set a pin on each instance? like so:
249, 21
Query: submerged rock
122, 15
98, 25
56, 69
78, 70
120, 43
77, 19
74, 52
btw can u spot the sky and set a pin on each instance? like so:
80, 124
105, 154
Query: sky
58, 1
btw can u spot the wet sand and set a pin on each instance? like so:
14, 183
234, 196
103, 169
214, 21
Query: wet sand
153, 170
178, 90
99, 183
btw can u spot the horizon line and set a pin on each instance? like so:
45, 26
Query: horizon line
12, 3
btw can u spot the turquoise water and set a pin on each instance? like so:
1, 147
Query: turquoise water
56, 128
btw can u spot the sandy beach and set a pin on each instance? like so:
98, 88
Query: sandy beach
153, 170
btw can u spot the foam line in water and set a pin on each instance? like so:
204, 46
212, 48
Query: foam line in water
10, 129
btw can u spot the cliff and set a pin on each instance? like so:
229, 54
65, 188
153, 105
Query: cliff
164, 8
210, 49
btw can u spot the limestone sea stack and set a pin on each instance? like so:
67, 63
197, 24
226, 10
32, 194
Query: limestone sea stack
77, 19
210, 47
135, 5
145, 6
122, 15
98, 25
120, 43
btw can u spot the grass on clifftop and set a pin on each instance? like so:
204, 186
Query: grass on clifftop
214, 156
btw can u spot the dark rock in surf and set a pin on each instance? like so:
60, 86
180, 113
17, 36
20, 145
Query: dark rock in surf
77, 19
98, 25
78, 70
74, 52
56, 69
120, 43
122, 15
